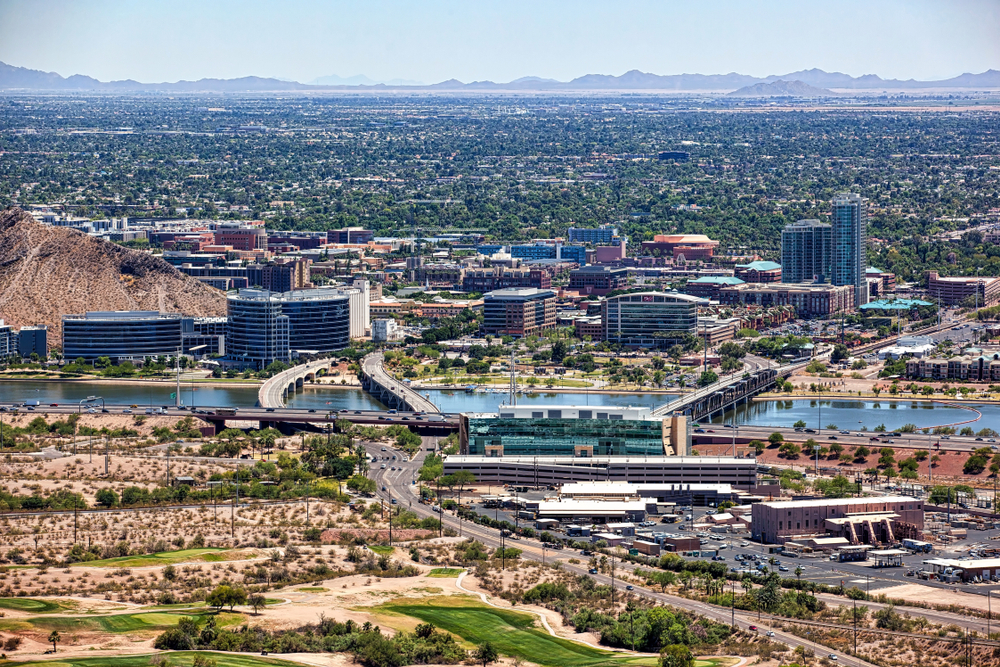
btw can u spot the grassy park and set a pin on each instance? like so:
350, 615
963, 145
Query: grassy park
118, 624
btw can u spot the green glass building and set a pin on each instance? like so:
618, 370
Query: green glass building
575, 431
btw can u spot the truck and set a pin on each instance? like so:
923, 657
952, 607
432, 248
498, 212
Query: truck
226, 411
32, 402
918, 546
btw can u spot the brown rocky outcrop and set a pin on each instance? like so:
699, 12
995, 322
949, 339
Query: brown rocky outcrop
47, 272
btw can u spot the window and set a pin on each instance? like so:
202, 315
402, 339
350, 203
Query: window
537, 415
797, 525
586, 414
555, 414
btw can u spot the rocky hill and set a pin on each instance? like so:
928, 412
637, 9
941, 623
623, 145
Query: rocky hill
782, 89
47, 272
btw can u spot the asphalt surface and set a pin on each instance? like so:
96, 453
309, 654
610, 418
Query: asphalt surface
373, 367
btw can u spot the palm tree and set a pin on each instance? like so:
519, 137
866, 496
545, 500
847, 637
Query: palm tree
54, 638
798, 572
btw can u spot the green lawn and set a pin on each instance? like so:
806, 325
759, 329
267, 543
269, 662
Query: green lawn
512, 633
209, 554
31, 605
176, 659
312, 589
381, 549
115, 624
445, 572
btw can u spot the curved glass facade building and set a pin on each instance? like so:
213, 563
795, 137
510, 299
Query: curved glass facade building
121, 335
268, 326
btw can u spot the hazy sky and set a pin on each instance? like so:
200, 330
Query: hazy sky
434, 40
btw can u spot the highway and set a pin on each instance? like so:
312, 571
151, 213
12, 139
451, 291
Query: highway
280, 415
398, 484
272, 393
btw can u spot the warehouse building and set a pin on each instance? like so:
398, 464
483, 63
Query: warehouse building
869, 520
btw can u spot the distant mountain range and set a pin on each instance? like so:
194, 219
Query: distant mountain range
20, 78
782, 89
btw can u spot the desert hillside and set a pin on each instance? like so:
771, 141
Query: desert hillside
47, 272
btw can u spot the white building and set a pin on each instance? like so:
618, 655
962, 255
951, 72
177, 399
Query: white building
384, 331
916, 346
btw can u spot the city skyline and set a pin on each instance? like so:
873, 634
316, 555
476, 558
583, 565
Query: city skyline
390, 41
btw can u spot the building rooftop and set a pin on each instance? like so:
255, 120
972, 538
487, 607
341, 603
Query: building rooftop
760, 265
632, 488
598, 506
842, 502
590, 461
519, 293
895, 304
716, 280
124, 315
570, 412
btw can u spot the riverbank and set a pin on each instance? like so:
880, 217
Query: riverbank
872, 397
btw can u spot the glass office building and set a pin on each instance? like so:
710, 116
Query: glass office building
653, 320
128, 335
268, 326
562, 431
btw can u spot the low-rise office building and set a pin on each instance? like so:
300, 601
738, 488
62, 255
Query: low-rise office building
32, 340
867, 520
519, 312
654, 320
498, 277
8, 341
385, 331
602, 235
597, 279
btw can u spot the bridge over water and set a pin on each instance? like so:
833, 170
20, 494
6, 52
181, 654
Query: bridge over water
390, 391
727, 393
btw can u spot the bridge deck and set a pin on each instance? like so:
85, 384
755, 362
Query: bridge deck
372, 367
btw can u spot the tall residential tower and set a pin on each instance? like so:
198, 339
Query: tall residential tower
850, 226
806, 250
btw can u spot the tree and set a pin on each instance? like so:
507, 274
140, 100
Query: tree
839, 353
676, 655
54, 638
559, 349
707, 378
486, 653
799, 424
775, 438
758, 446
361, 484
256, 601
106, 497
226, 596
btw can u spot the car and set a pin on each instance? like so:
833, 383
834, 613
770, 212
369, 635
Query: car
753, 628
49, 651
744, 544
312, 410
699, 430
593, 570
357, 412
711, 431
810, 430
383, 449
979, 439
91, 411
630, 587
832, 656
105, 410
394, 501
782, 568
53, 405
383, 466
845, 433
832, 437
126, 411
270, 410
383, 487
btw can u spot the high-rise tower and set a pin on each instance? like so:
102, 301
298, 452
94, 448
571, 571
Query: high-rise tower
806, 252
850, 225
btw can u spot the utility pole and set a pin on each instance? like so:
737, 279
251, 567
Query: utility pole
390, 521
177, 396
75, 505
855, 628
612, 580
